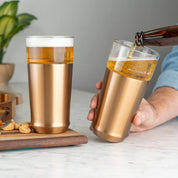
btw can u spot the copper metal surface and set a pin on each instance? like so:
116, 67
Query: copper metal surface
50, 92
7, 106
118, 101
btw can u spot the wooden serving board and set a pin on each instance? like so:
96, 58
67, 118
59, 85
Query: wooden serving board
15, 140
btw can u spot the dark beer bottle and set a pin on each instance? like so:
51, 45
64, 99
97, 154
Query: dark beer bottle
165, 36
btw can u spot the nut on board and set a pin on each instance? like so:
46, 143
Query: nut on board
22, 127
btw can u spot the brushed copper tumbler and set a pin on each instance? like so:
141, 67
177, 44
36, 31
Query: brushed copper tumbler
126, 78
50, 62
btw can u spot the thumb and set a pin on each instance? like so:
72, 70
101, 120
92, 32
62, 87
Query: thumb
99, 85
138, 118
141, 113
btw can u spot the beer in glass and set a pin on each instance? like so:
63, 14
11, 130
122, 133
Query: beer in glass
126, 78
50, 62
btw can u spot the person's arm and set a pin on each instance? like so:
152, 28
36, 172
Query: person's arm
160, 107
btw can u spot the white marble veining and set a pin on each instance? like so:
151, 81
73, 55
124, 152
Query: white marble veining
151, 154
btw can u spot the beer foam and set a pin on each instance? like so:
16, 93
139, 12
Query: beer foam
51, 41
131, 59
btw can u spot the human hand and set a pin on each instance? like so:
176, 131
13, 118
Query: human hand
160, 107
144, 119
94, 102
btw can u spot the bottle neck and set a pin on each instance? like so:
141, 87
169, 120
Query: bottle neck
139, 39
165, 36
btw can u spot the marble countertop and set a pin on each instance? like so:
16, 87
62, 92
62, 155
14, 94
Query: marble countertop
148, 154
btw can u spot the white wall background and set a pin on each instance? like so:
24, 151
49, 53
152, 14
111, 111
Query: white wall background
94, 23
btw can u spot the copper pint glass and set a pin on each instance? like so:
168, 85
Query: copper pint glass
124, 85
50, 62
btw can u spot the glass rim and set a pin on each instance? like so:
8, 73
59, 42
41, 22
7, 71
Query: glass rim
125, 45
49, 41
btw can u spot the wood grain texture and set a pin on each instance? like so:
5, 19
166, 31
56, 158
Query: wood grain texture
7, 107
9, 141
18, 96
8, 102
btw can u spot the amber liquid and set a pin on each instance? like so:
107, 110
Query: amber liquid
137, 69
131, 51
49, 55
